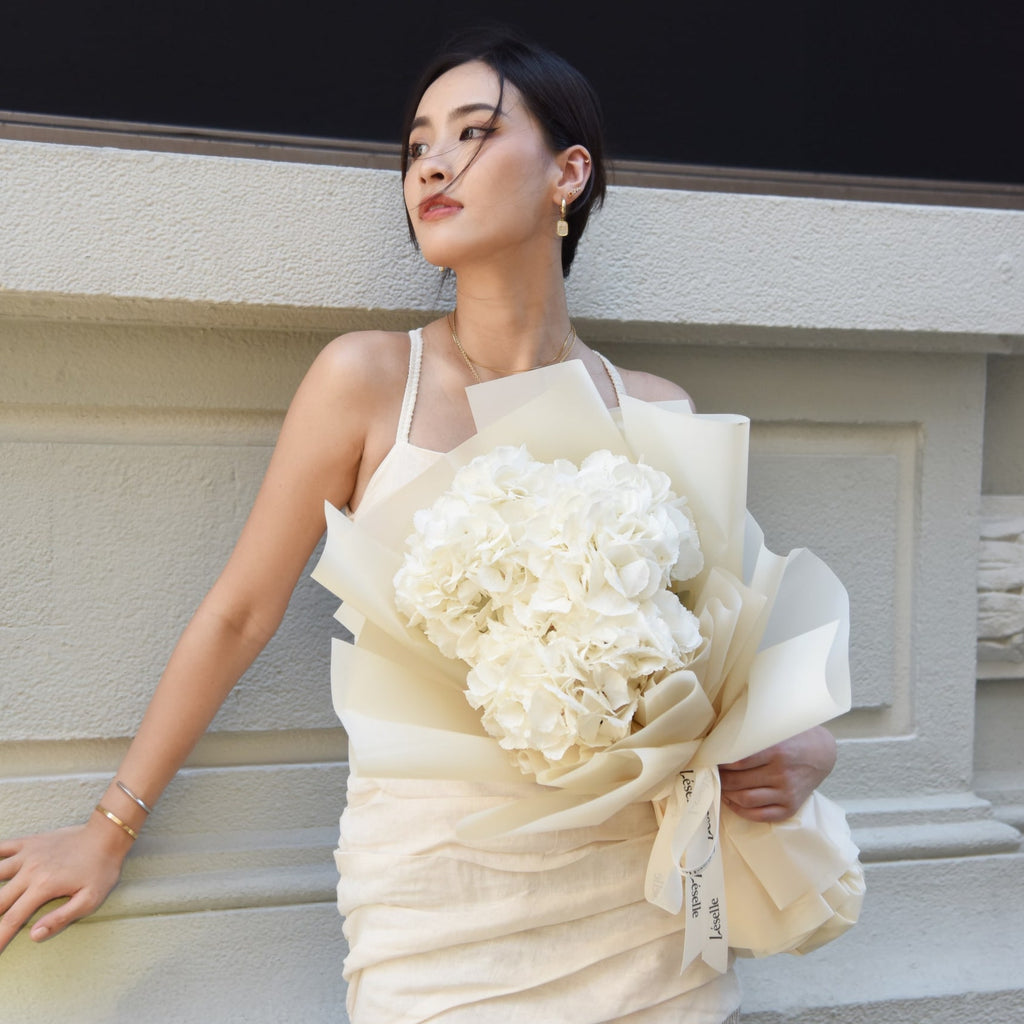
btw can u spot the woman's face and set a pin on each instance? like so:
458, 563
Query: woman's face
478, 185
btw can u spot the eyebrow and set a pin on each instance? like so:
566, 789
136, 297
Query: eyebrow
457, 112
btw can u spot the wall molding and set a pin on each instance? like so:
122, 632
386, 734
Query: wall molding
234, 871
955, 824
643, 174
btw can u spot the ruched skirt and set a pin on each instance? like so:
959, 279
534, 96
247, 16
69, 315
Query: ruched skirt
549, 928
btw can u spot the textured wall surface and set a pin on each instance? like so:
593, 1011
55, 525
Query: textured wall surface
157, 312
204, 229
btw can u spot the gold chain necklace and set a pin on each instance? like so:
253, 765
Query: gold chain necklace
568, 344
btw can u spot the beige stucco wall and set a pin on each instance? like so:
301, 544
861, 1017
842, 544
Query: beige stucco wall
156, 313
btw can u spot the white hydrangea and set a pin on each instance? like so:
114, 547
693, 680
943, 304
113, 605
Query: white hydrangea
554, 584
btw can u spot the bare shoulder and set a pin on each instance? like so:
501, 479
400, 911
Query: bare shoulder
366, 355
354, 379
344, 412
361, 368
650, 388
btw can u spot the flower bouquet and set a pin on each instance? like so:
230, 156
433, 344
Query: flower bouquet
583, 600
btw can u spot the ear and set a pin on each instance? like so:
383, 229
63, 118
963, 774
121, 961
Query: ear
575, 172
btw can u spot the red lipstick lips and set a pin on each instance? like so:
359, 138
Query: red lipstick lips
438, 206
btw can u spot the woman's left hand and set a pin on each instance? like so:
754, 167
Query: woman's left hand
773, 784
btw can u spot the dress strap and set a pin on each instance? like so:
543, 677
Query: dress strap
412, 385
613, 375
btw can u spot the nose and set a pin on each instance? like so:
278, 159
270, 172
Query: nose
433, 167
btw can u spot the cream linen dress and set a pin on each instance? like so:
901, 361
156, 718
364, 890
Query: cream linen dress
550, 928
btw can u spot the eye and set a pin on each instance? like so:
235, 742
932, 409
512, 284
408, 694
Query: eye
474, 131
416, 150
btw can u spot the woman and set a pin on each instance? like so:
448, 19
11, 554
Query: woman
502, 167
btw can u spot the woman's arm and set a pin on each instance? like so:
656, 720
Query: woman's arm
317, 457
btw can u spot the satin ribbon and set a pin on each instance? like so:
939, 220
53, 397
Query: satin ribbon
685, 873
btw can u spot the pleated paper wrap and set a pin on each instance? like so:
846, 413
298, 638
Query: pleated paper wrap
776, 664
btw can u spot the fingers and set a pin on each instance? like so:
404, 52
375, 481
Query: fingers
9, 868
763, 795
760, 780
27, 892
9, 847
29, 902
16, 911
765, 812
57, 920
9, 895
773, 784
10, 861
757, 794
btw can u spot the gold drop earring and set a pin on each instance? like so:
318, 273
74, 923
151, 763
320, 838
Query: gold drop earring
562, 225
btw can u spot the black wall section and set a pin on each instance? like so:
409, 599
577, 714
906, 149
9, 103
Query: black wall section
905, 89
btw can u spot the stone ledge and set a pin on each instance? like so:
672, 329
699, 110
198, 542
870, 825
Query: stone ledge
234, 872
140, 311
938, 942
927, 842
960, 1008
227, 889
145, 226
1010, 813
925, 828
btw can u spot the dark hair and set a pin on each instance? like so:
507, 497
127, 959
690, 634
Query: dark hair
556, 94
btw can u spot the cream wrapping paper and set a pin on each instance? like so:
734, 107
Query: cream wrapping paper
775, 664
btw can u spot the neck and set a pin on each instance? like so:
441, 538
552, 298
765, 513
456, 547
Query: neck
511, 322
